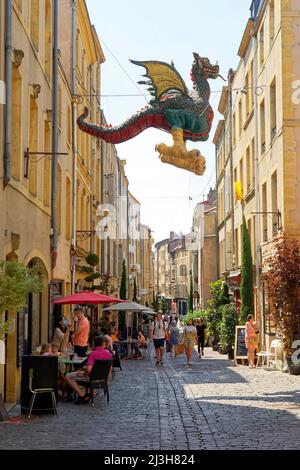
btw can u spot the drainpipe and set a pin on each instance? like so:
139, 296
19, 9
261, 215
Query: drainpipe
102, 193
217, 208
257, 200
92, 238
128, 241
54, 235
224, 202
8, 89
231, 175
74, 149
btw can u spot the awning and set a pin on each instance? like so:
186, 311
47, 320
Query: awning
234, 278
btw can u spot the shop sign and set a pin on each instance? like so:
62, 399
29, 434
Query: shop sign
234, 279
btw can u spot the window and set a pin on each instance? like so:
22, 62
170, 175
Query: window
59, 194
78, 208
47, 165
33, 144
59, 107
68, 208
233, 130
271, 21
264, 210
251, 90
183, 270
253, 238
274, 203
16, 124
253, 161
35, 22
262, 127
242, 173
240, 118
236, 247
262, 45
48, 38
248, 169
247, 95
273, 109
69, 124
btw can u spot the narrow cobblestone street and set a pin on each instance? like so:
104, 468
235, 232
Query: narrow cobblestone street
210, 405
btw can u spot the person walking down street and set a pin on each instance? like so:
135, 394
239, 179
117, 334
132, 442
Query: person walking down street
157, 336
251, 339
173, 337
189, 340
201, 336
81, 333
180, 327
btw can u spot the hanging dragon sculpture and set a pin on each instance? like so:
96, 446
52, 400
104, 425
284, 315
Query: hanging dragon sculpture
187, 116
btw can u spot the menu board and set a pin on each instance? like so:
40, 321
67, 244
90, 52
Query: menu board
146, 329
240, 350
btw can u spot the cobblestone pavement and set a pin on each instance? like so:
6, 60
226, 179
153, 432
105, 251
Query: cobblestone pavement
209, 405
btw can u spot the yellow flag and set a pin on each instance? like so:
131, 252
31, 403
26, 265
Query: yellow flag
238, 191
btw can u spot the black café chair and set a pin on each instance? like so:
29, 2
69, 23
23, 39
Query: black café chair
37, 391
116, 357
98, 378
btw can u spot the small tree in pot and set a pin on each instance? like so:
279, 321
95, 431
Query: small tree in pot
227, 328
282, 281
219, 296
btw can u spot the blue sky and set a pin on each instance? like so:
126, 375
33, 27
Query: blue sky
164, 30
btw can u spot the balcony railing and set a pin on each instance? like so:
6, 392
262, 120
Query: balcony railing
255, 8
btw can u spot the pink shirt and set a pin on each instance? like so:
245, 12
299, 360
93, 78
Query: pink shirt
81, 339
98, 353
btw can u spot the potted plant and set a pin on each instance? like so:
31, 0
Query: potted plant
282, 281
16, 282
227, 329
219, 296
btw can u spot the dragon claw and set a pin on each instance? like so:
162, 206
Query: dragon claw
177, 155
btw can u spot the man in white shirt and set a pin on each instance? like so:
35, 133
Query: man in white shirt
157, 336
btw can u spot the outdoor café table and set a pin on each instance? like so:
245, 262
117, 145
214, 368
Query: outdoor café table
71, 363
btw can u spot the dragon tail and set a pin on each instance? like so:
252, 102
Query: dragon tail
127, 130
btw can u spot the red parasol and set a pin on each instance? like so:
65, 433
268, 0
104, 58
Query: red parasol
86, 297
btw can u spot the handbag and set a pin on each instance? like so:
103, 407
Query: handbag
179, 349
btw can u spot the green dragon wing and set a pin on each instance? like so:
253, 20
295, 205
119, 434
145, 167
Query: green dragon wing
164, 78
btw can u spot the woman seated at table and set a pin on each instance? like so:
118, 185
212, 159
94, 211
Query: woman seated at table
108, 338
142, 340
46, 350
83, 374
61, 333
114, 336
142, 344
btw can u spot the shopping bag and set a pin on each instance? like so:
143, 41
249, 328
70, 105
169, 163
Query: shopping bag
179, 349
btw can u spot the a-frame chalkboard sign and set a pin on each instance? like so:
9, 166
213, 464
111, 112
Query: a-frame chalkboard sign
240, 350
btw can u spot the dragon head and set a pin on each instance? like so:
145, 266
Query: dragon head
202, 66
